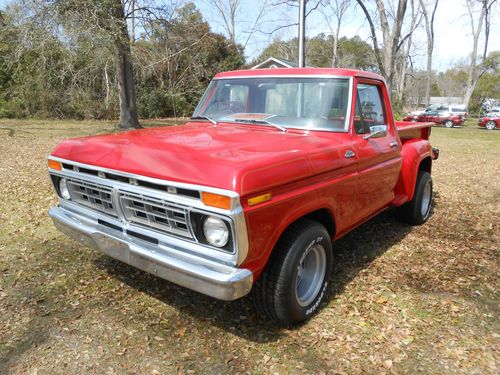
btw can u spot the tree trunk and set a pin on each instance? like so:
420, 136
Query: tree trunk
469, 91
125, 74
106, 79
126, 89
430, 47
387, 57
429, 28
475, 72
335, 57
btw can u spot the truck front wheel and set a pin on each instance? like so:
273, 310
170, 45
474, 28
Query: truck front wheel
295, 279
417, 210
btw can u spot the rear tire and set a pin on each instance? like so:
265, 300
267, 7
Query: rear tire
294, 282
490, 125
449, 124
417, 211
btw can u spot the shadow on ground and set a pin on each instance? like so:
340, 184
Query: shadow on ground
353, 253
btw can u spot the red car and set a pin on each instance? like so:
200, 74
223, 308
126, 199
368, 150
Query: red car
440, 118
274, 166
489, 122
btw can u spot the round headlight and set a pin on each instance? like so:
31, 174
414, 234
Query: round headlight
63, 188
216, 231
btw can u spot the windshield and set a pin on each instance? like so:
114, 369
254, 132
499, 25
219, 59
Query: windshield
288, 102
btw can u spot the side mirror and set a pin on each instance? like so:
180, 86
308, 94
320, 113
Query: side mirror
377, 131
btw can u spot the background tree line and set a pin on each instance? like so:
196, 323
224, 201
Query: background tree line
132, 59
55, 65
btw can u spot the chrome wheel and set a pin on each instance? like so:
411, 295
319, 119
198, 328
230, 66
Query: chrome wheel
426, 200
490, 125
310, 275
448, 124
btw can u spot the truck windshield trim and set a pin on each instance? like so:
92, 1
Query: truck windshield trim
311, 102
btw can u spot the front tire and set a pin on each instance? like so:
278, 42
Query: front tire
417, 211
449, 124
295, 279
490, 125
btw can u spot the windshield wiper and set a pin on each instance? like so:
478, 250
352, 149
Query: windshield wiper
204, 118
260, 122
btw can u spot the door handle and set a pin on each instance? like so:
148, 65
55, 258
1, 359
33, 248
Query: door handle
393, 144
349, 154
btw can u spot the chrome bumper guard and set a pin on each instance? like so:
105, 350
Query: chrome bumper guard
213, 279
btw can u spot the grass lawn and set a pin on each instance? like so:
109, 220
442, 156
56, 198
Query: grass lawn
404, 299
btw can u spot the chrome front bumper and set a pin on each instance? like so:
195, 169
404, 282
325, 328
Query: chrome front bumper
202, 275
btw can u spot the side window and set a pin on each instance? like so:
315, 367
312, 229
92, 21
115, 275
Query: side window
369, 108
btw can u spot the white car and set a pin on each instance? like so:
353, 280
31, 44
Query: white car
454, 109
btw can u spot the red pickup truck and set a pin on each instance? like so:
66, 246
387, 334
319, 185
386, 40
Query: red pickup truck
249, 195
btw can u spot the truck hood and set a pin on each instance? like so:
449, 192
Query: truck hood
241, 158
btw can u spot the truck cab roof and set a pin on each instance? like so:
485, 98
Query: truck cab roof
299, 72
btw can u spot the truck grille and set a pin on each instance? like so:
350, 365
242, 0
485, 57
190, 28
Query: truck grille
92, 195
140, 209
155, 213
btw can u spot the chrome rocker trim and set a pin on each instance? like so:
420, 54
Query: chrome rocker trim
202, 275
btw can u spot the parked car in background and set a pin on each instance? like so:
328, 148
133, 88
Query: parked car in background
458, 110
455, 109
493, 112
490, 122
445, 118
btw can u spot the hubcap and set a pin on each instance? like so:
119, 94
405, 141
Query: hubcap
426, 200
311, 274
490, 125
449, 124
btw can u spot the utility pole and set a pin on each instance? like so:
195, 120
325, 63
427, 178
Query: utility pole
132, 29
302, 21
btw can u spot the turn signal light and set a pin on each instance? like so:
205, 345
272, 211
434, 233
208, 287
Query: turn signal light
216, 200
54, 164
259, 199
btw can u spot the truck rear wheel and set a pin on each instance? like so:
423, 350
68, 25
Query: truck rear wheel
295, 279
417, 210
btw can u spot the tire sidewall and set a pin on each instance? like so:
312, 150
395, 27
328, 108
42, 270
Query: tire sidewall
423, 179
290, 309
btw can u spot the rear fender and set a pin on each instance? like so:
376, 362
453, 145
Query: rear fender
413, 152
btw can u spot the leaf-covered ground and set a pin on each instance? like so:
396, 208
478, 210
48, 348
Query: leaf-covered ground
404, 300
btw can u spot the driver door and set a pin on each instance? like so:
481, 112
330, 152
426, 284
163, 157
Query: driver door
377, 147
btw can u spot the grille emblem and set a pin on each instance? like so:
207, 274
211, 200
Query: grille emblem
133, 181
172, 189
101, 174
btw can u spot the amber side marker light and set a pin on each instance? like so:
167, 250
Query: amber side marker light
259, 199
54, 164
216, 200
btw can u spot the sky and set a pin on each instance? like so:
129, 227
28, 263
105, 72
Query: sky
452, 31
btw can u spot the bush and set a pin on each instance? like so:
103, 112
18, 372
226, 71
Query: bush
11, 109
159, 103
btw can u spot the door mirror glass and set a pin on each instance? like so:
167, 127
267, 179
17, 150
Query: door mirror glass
377, 131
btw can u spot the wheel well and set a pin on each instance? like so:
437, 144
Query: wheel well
425, 165
324, 217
